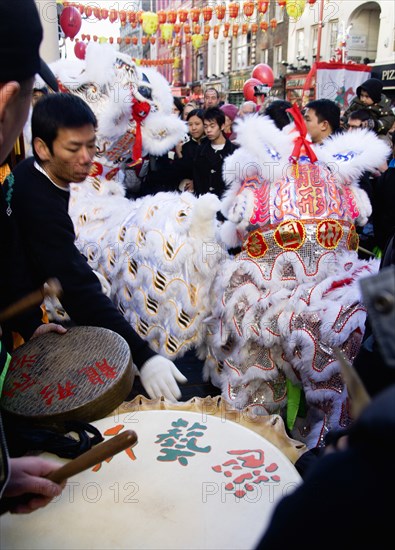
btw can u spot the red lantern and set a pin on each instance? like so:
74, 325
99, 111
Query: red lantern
88, 11
263, 73
244, 28
281, 3
135, 40
227, 26
207, 13
144, 40
235, 29
152, 39
195, 14
128, 40
254, 28
207, 29
177, 28
111, 40
311, 1
248, 8
188, 38
80, 49
95, 37
262, 6
196, 29
182, 15
187, 28
171, 16
273, 23
122, 17
70, 21
119, 40
226, 33
113, 16
248, 89
233, 10
97, 13
162, 16
264, 25
104, 13
220, 11
132, 17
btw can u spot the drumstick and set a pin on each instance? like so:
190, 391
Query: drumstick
52, 288
356, 390
97, 454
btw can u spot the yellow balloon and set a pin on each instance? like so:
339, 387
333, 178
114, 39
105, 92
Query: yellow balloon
295, 8
103, 40
150, 22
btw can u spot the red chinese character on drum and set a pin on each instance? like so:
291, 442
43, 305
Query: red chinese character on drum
249, 470
290, 235
256, 245
329, 233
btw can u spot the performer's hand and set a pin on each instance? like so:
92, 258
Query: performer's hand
28, 481
48, 327
158, 376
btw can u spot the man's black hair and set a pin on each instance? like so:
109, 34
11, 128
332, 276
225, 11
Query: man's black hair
214, 113
328, 110
361, 114
212, 89
56, 111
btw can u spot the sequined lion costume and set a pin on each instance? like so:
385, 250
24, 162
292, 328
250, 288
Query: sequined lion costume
292, 294
267, 320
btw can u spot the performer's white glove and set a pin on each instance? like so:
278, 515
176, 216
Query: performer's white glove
158, 376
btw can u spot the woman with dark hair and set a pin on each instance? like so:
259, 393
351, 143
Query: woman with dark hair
183, 166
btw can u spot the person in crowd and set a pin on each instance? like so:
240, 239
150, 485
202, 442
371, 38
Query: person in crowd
247, 108
383, 202
322, 117
277, 111
23, 483
64, 144
183, 166
211, 98
190, 106
178, 106
370, 97
230, 111
207, 165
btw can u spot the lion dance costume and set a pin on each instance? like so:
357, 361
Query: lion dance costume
266, 320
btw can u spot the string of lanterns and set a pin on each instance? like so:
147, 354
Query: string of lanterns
235, 17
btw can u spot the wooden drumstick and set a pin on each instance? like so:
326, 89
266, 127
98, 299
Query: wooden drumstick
356, 390
52, 288
97, 454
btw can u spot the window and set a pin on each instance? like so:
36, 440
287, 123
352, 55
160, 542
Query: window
314, 35
300, 43
221, 58
279, 13
241, 51
278, 57
333, 35
265, 56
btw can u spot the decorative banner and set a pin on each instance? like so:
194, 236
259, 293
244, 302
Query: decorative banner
339, 81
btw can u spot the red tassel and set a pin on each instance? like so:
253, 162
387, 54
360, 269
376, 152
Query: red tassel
140, 110
301, 140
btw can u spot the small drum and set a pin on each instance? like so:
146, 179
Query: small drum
193, 481
81, 375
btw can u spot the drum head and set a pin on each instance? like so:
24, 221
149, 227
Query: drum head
192, 481
81, 375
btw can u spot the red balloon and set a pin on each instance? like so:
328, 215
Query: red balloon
248, 89
70, 21
264, 74
80, 49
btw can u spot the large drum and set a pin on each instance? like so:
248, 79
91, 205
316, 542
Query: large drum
193, 481
81, 375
